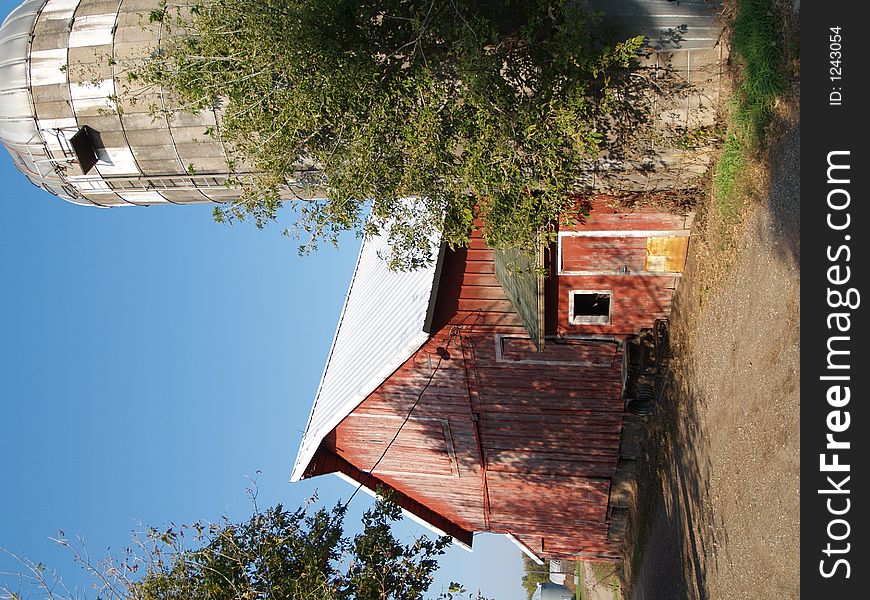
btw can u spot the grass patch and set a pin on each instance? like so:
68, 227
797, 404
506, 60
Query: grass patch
757, 45
731, 163
579, 578
758, 51
762, 46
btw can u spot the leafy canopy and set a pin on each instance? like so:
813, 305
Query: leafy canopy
281, 554
534, 575
277, 554
479, 109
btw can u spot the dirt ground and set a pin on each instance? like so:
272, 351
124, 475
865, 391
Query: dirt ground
718, 503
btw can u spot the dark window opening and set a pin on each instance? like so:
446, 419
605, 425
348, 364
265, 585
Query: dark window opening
589, 308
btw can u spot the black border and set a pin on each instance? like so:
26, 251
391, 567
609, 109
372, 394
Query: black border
826, 128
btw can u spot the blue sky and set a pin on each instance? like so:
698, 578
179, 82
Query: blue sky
150, 359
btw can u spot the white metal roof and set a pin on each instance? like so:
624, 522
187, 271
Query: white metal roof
381, 326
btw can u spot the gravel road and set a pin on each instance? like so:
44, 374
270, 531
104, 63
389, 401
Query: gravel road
727, 519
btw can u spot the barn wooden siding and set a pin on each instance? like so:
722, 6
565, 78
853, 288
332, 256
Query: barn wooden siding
500, 437
326, 461
636, 256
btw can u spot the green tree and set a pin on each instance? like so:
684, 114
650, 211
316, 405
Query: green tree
277, 554
534, 574
481, 109
282, 554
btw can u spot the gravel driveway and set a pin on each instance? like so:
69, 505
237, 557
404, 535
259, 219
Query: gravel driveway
724, 524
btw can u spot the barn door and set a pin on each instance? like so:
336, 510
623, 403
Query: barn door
622, 252
603, 254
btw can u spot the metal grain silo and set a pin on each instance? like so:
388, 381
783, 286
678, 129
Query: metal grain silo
75, 127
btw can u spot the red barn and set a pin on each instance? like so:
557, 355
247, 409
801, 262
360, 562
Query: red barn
492, 399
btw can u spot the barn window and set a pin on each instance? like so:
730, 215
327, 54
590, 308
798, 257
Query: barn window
587, 307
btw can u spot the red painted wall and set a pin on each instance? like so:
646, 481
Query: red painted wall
638, 297
496, 442
493, 436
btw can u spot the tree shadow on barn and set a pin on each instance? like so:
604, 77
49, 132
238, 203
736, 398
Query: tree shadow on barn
548, 423
536, 445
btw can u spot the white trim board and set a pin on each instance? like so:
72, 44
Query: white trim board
526, 550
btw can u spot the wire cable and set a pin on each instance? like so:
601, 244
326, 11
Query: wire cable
454, 333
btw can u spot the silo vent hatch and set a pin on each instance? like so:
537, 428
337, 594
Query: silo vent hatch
83, 147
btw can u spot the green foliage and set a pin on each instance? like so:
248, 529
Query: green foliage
580, 577
534, 574
276, 554
732, 162
757, 40
281, 554
481, 110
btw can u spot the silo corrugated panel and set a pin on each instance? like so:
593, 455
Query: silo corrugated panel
19, 128
666, 25
63, 66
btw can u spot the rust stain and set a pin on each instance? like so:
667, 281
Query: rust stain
666, 254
